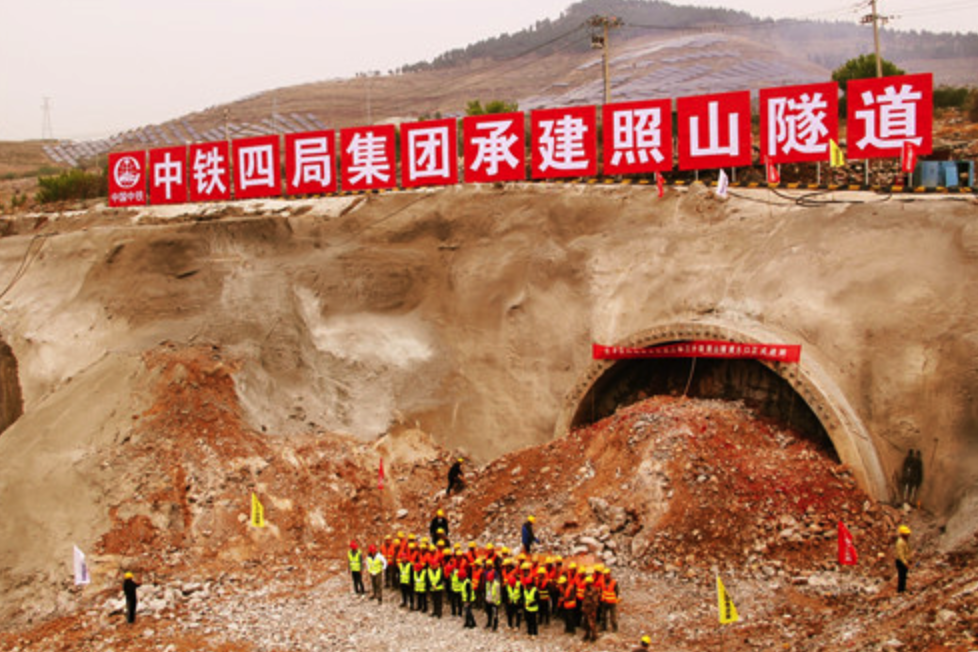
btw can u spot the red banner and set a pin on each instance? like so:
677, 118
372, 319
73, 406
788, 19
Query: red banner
168, 183
886, 112
429, 153
310, 163
210, 171
494, 147
714, 131
702, 349
256, 167
797, 122
565, 142
637, 137
127, 179
367, 157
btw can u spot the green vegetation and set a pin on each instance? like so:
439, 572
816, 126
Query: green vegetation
951, 97
475, 107
863, 67
73, 184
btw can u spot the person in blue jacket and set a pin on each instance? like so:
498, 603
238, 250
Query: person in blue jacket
528, 537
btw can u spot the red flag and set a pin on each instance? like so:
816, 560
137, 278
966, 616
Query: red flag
773, 175
380, 480
908, 158
847, 551
660, 185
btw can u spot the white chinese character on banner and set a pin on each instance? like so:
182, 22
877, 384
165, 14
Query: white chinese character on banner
798, 125
562, 144
313, 164
897, 113
257, 166
430, 151
637, 136
495, 147
368, 158
166, 173
209, 170
714, 148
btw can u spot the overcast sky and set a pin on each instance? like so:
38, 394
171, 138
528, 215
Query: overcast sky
109, 65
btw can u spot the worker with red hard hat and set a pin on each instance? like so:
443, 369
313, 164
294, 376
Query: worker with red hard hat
355, 559
376, 565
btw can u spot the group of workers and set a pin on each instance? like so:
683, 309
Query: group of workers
525, 587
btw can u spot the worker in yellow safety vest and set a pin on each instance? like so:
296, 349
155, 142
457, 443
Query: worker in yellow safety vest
376, 565
355, 558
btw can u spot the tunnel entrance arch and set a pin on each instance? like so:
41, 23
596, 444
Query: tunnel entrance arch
800, 394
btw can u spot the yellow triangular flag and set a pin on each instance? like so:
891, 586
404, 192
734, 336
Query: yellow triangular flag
728, 612
257, 512
836, 158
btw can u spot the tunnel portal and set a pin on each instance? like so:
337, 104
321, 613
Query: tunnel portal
801, 395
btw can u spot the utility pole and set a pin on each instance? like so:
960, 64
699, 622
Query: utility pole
875, 18
600, 26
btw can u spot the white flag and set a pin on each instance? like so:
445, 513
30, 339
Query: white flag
722, 184
81, 568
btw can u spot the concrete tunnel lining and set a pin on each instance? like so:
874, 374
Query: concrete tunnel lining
808, 378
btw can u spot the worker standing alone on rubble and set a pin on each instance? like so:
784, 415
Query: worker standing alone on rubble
528, 537
129, 586
904, 555
454, 478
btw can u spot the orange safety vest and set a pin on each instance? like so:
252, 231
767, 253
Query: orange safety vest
570, 594
476, 578
581, 586
609, 595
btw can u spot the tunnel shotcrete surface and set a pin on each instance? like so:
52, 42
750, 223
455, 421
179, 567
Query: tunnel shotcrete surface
318, 336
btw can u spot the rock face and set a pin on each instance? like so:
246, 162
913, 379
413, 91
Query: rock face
466, 313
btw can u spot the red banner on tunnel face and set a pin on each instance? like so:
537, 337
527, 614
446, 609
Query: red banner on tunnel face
702, 349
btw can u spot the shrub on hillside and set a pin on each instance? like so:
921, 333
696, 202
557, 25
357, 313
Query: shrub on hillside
72, 184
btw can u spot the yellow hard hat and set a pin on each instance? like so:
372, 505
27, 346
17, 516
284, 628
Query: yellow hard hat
397, 540
525, 565
387, 538
504, 550
400, 535
548, 560
478, 561
572, 565
458, 553
646, 640
440, 512
128, 576
508, 561
424, 539
411, 537
411, 545
589, 579
903, 529
562, 580
489, 546
458, 544
461, 459
606, 570
541, 571
558, 559
531, 519
472, 544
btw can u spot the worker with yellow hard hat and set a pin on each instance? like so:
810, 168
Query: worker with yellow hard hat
455, 480
527, 534
129, 586
644, 644
904, 556
438, 528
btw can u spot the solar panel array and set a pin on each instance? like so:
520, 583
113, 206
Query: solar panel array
177, 133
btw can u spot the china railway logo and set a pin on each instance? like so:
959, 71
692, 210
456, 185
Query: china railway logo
127, 172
